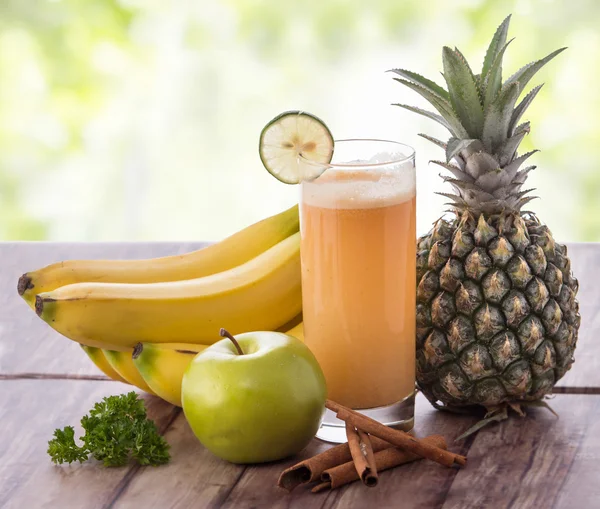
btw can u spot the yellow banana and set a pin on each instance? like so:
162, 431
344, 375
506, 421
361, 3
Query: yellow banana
162, 365
123, 364
291, 324
96, 355
227, 254
297, 332
261, 294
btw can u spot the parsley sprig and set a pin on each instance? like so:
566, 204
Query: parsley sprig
116, 430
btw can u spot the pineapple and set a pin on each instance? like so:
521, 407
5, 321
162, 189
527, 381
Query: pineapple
497, 318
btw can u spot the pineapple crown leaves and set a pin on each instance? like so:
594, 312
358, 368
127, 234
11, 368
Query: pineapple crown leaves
493, 79
525, 73
440, 103
480, 113
426, 113
457, 201
420, 80
520, 109
455, 170
498, 117
511, 170
521, 175
497, 42
463, 90
479, 163
509, 150
464, 188
433, 140
456, 146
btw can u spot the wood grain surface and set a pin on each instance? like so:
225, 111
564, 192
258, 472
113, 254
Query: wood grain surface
30, 411
47, 382
585, 260
194, 477
528, 462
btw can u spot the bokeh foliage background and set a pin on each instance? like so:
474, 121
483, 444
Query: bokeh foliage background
139, 119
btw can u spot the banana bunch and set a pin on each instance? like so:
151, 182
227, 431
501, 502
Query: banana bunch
96, 355
227, 254
162, 365
156, 368
143, 321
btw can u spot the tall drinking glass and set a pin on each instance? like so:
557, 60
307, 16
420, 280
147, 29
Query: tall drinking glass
358, 248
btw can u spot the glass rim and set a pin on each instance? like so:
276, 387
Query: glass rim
408, 156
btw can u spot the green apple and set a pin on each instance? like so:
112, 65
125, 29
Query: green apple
254, 398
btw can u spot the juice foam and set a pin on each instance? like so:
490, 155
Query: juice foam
350, 189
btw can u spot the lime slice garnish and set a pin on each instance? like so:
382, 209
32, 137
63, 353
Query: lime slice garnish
295, 146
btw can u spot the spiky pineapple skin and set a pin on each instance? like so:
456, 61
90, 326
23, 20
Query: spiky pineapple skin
497, 317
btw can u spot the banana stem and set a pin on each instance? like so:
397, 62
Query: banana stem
225, 334
24, 284
137, 351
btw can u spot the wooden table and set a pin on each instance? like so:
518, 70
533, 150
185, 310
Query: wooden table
47, 382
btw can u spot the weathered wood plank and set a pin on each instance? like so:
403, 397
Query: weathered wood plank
196, 478
535, 462
585, 261
27, 344
30, 410
539, 461
532, 462
581, 489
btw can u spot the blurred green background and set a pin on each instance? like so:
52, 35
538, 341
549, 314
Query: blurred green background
139, 119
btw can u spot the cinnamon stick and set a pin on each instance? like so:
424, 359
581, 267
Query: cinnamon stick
311, 469
359, 447
394, 436
371, 479
320, 487
391, 457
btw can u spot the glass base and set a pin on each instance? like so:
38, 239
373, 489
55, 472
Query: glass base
399, 415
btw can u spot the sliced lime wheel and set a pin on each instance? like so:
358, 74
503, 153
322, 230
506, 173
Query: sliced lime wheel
295, 146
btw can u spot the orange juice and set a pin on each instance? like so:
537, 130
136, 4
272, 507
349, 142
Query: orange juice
358, 283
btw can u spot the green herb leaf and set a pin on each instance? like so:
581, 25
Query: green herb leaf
63, 449
116, 430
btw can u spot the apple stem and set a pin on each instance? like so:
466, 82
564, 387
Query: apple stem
225, 334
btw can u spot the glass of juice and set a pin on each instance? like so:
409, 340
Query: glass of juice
357, 223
